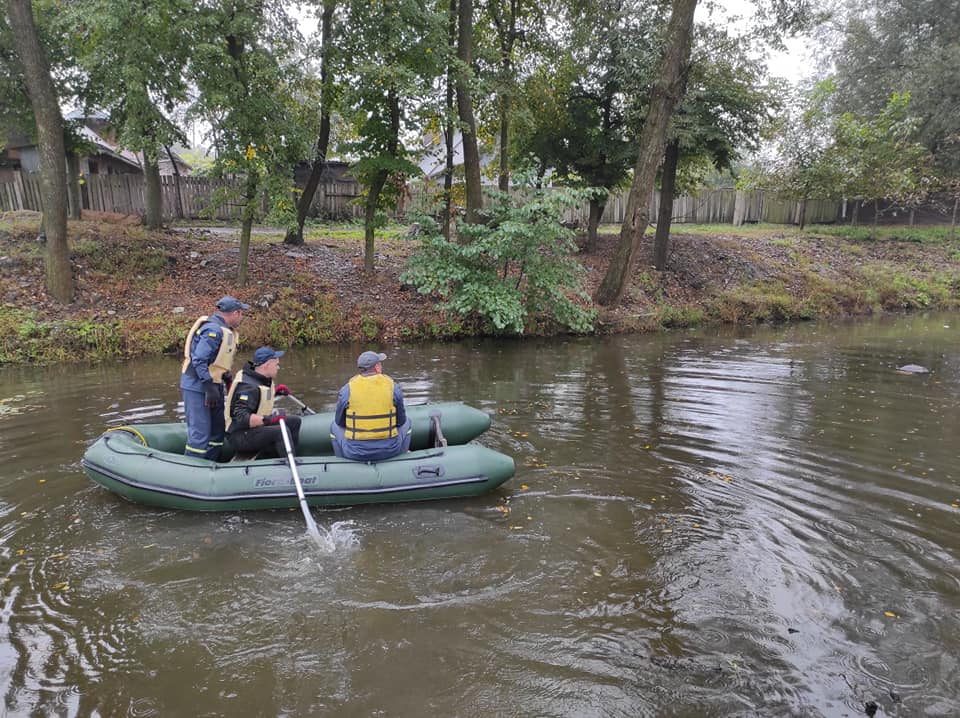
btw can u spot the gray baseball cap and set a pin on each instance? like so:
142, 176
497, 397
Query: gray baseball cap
368, 359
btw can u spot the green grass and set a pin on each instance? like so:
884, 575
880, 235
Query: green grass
932, 234
351, 232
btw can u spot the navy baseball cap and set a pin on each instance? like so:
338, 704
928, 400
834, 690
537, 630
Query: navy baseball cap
231, 304
265, 354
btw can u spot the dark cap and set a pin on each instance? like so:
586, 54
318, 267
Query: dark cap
265, 354
368, 359
231, 304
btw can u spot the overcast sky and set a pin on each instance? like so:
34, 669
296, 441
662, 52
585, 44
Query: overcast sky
793, 64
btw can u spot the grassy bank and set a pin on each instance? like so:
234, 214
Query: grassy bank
138, 292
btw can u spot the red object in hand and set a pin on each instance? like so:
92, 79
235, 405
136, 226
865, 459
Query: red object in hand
281, 390
271, 420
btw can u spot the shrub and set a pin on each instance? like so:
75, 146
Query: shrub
514, 269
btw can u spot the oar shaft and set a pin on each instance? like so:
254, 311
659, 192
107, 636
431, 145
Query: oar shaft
311, 526
306, 409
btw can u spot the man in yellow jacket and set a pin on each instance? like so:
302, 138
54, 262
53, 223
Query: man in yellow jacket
370, 422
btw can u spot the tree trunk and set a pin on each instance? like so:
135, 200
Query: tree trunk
379, 180
503, 182
507, 32
370, 220
663, 101
246, 225
953, 221
468, 125
53, 167
295, 235
74, 200
446, 212
668, 185
176, 181
597, 205
876, 212
855, 213
913, 212
153, 197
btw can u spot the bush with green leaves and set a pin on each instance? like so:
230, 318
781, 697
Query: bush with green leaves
511, 271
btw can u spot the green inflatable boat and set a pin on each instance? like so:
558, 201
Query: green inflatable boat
145, 464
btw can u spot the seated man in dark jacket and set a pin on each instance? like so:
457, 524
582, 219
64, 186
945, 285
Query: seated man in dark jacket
252, 425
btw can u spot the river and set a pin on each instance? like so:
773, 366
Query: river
707, 523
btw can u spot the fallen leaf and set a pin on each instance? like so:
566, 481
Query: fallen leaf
524, 487
890, 614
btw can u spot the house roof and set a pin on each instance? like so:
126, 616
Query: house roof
106, 148
433, 160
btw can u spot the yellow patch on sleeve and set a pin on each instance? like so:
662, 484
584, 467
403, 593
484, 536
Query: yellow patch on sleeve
244, 397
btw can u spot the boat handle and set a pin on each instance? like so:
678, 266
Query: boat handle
432, 472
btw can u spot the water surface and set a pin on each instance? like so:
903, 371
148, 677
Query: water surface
705, 523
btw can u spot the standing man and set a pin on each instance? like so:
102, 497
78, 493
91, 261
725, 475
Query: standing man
370, 423
252, 426
207, 358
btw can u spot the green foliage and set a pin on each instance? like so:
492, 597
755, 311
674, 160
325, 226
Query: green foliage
679, 317
293, 321
514, 269
725, 108
24, 339
257, 97
903, 47
880, 157
370, 326
895, 288
803, 166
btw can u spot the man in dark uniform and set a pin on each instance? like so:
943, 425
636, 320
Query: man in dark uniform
208, 357
252, 425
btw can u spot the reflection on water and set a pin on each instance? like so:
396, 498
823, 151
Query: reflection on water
718, 524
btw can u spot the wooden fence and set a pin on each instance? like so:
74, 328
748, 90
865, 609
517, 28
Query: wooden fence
717, 206
204, 197
183, 197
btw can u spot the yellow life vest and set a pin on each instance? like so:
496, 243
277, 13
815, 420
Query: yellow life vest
370, 410
222, 361
264, 406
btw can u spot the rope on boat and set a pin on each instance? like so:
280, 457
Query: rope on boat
129, 430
